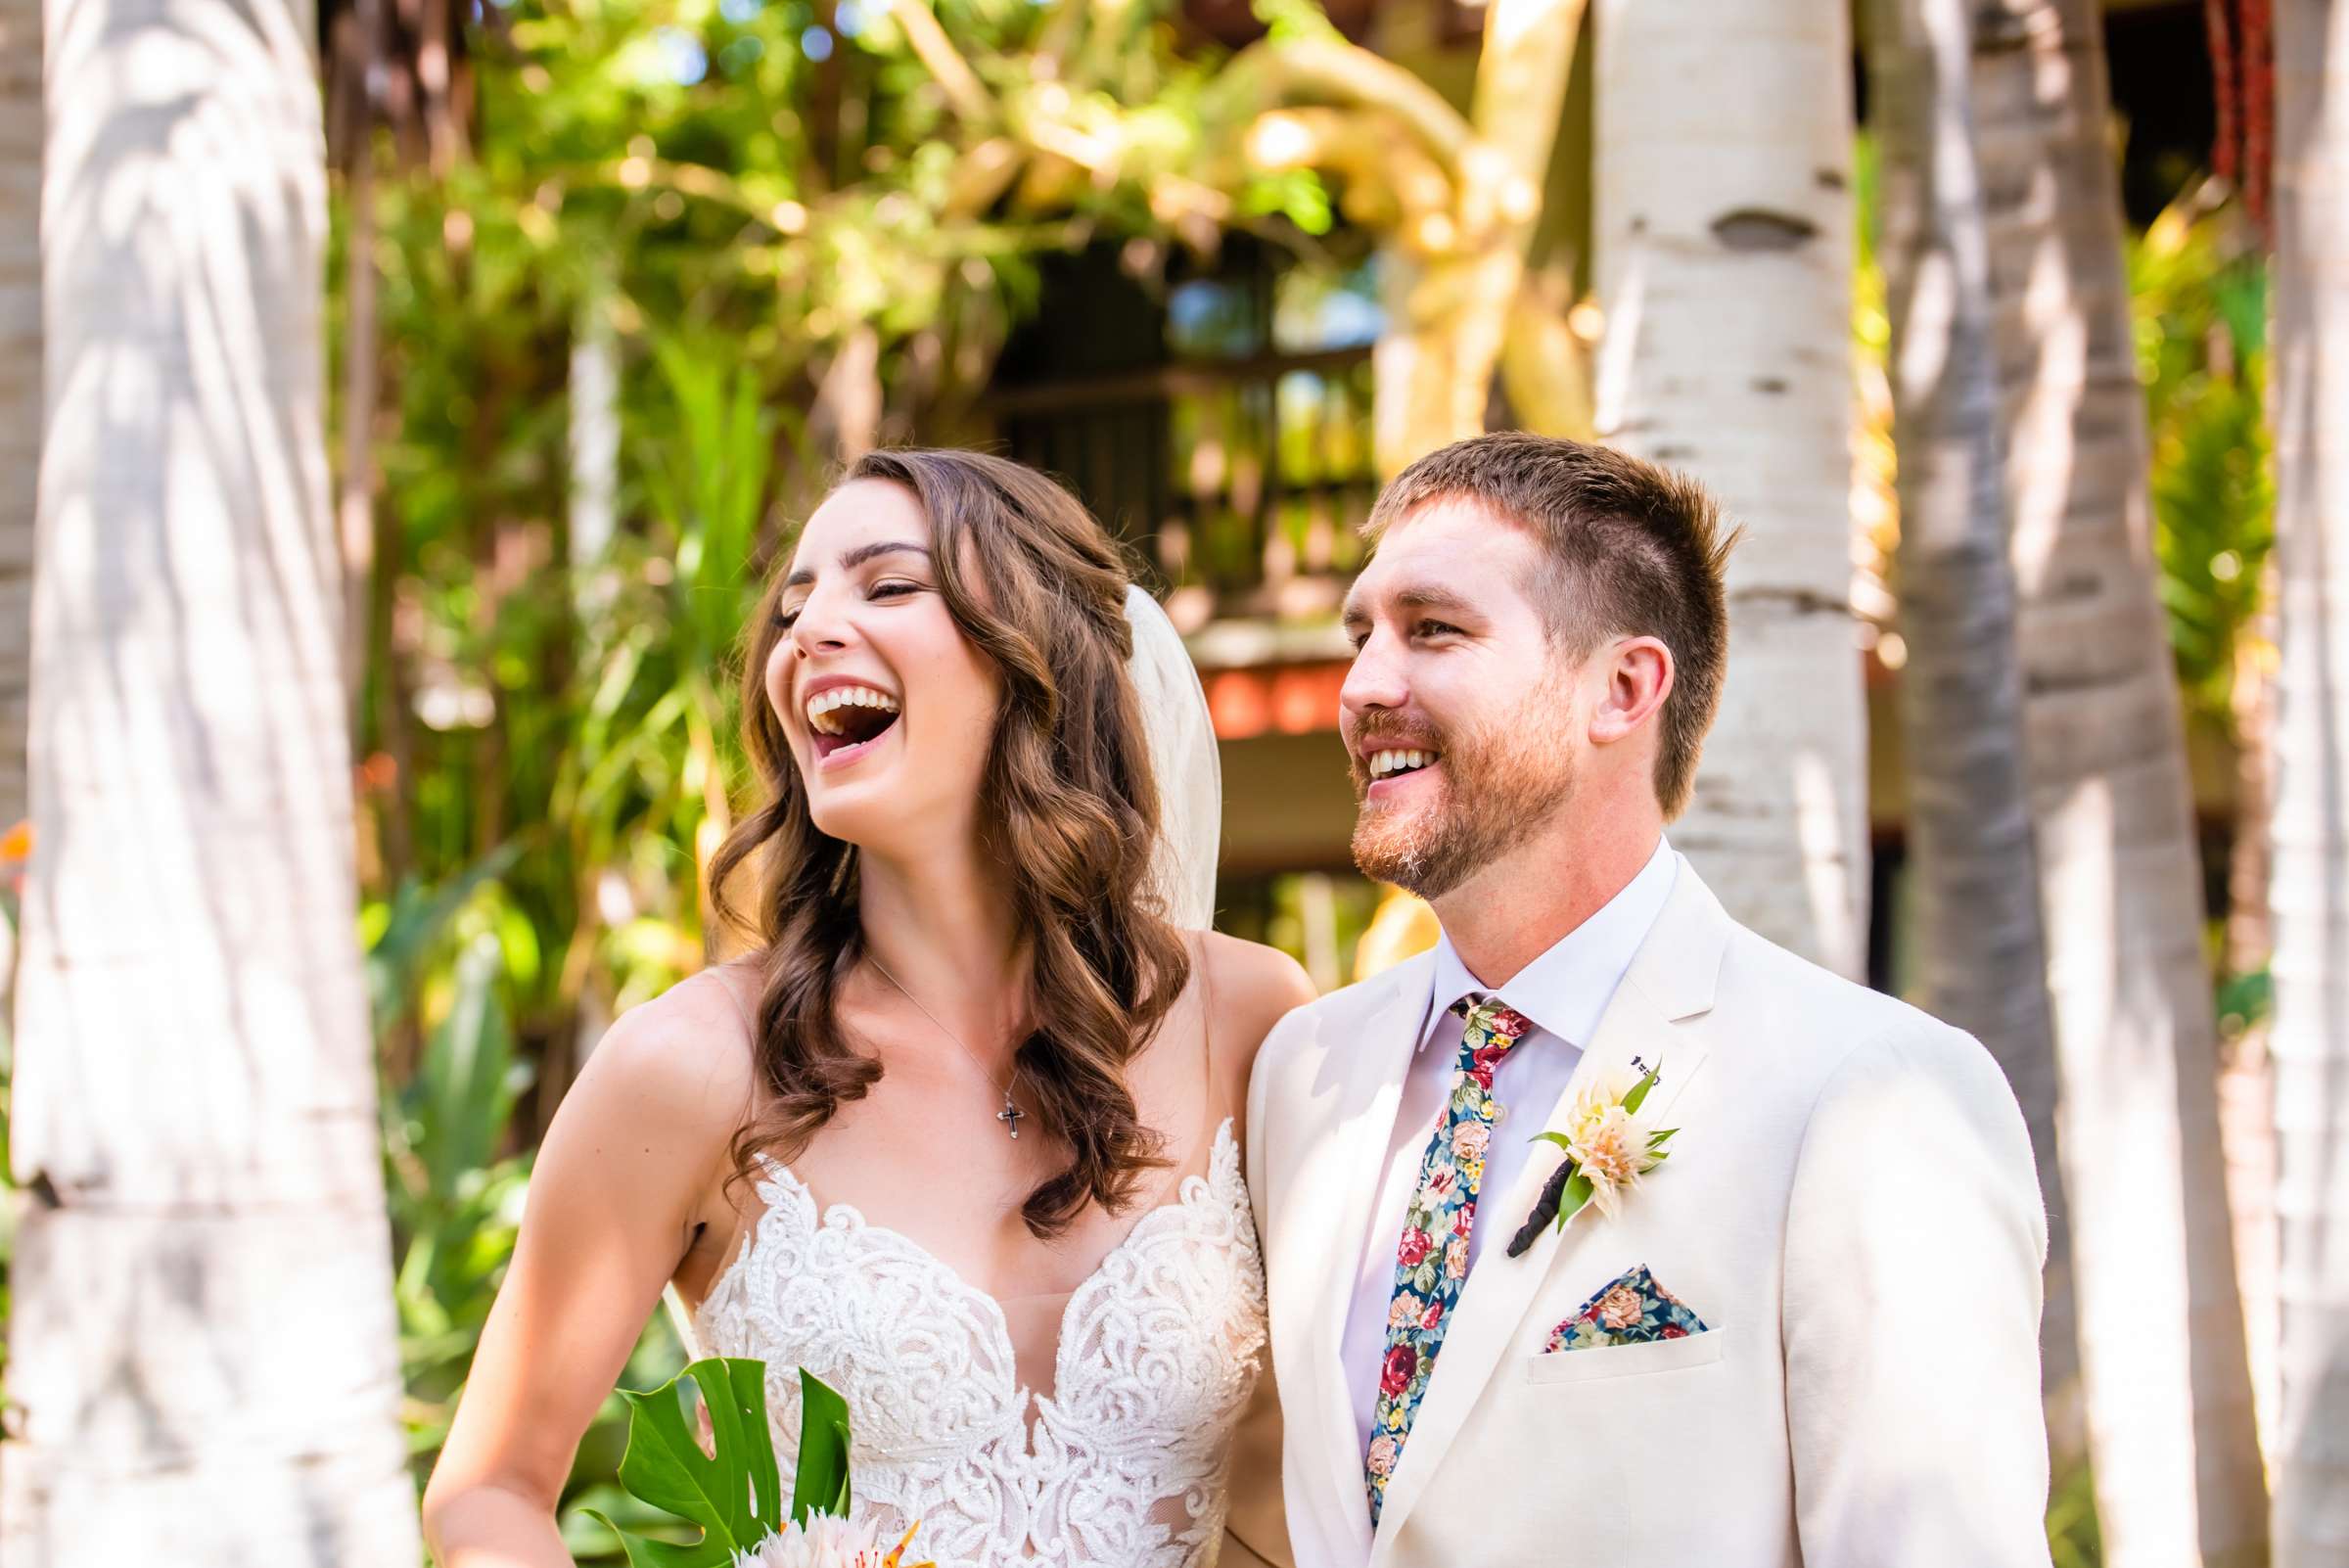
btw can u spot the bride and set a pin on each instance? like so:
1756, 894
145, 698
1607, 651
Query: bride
962, 1135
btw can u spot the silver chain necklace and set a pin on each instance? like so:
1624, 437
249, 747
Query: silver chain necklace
1011, 1114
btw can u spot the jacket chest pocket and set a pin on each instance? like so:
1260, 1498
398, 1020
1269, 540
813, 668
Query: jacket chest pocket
1600, 1361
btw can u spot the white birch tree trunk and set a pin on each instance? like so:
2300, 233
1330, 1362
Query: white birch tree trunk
1723, 237
1981, 954
2309, 1039
2161, 1327
202, 1352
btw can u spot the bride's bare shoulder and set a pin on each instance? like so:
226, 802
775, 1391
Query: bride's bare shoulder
679, 1063
1248, 986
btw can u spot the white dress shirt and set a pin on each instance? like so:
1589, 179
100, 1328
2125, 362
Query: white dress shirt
1563, 992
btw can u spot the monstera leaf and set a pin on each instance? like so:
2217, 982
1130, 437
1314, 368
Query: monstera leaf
734, 1491
821, 1482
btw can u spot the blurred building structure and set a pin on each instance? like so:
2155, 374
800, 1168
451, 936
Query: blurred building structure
1217, 414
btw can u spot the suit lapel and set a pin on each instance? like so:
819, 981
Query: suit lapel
1344, 1179
1670, 979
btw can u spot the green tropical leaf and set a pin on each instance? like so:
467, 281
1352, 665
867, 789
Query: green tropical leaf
1638, 1094
1570, 1202
821, 1482
733, 1493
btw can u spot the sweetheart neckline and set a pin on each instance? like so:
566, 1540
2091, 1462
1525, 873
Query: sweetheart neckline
1226, 1146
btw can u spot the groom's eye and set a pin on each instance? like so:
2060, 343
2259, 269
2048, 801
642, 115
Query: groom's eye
1437, 628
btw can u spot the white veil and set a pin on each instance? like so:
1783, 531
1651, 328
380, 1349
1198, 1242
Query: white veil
1182, 753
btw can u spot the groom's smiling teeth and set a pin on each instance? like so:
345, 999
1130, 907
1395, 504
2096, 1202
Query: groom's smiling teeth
1388, 763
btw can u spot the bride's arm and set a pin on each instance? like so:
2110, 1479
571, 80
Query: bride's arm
617, 1192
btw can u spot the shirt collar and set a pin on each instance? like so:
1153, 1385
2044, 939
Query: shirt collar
1566, 989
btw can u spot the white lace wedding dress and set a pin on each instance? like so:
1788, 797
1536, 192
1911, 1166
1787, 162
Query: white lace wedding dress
1121, 1466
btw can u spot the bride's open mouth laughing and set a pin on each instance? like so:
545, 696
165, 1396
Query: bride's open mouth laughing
846, 721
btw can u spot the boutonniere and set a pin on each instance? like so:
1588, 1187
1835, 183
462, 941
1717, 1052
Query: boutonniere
1609, 1146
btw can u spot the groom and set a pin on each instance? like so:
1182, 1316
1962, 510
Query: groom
1809, 1335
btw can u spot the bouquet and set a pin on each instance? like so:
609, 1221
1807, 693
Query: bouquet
734, 1491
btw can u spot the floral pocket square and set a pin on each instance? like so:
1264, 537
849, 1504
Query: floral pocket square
1632, 1310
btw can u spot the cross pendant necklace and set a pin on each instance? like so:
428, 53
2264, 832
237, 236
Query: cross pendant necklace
1011, 1115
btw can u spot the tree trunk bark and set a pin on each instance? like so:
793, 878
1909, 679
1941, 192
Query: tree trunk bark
2167, 1387
354, 501
1982, 955
1724, 244
2246, 1069
201, 1347
2309, 1041
19, 380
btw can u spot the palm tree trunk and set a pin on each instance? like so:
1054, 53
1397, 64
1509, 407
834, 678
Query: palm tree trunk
1982, 956
1723, 232
2246, 1065
2161, 1327
19, 379
355, 501
201, 1347
2309, 1041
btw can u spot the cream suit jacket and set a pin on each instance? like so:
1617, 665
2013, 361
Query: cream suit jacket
1850, 1206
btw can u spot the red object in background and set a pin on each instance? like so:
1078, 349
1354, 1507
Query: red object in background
2242, 62
1276, 700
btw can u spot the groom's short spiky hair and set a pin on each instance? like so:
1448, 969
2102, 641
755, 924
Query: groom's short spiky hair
1632, 550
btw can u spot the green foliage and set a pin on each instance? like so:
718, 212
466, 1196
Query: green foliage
2200, 290
2244, 1002
821, 1484
2074, 1538
733, 1494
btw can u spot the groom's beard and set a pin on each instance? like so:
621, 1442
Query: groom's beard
1497, 786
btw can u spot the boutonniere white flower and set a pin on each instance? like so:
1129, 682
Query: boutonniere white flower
1609, 1147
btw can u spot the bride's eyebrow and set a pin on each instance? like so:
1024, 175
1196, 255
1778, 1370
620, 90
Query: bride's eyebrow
858, 557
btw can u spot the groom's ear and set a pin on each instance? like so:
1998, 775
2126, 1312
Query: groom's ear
1632, 679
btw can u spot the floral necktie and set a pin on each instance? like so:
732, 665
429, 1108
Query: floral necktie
1431, 1263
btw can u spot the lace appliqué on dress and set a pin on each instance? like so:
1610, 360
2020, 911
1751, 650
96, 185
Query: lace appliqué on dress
1123, 1466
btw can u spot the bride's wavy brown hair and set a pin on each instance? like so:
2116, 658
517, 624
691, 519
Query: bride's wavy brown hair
1067, 805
